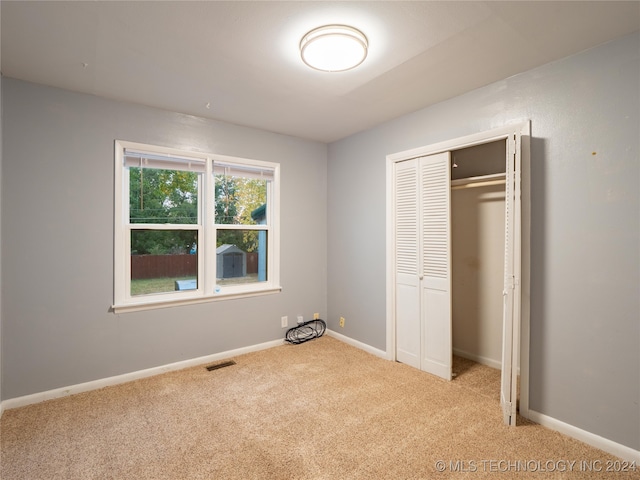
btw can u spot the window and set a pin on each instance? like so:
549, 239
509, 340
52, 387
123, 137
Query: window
192, 227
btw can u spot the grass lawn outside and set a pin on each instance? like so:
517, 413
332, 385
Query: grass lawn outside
148, 286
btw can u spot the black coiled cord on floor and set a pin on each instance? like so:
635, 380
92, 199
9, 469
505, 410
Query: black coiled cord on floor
306, 331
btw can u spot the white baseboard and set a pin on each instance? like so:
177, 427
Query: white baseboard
357, 344
128, 377
489, 362
609, 446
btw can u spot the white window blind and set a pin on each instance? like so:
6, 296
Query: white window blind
245, 171
138, 159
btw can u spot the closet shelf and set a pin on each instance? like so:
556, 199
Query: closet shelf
480, 181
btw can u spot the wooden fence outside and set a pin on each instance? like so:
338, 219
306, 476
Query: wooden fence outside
175, 266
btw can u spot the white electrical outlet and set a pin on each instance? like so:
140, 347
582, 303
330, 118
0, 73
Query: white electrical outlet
284, 321
316, 316
300, 319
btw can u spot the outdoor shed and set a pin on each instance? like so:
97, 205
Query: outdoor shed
230, 261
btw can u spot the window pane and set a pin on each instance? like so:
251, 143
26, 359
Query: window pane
163, 261
241, 256
163, 196
240, 200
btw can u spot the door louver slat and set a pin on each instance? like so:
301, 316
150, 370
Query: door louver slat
435, 218
406, 216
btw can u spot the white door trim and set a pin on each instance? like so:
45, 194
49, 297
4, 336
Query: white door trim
523, 129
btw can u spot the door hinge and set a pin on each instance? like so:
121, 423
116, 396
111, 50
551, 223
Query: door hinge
512, 281
509, 408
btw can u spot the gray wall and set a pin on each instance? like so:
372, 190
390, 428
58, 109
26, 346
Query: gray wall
0, 239
585, 266
57, 244
1, 133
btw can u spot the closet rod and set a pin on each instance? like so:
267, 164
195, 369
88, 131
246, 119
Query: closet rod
480, 181
479, 184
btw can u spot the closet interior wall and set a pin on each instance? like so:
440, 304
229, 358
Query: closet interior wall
477, 247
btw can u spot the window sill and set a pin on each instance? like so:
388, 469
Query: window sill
151, 305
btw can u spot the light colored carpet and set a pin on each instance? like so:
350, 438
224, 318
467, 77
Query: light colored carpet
320, 410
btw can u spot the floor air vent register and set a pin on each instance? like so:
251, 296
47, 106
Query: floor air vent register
221, 365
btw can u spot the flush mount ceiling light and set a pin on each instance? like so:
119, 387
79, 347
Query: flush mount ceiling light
334, 48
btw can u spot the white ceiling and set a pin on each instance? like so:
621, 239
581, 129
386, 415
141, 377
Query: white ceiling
239, 61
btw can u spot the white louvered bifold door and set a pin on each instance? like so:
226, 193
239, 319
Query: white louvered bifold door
511, 292
435, 274
407, 248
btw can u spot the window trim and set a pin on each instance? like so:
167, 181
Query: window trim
206, 227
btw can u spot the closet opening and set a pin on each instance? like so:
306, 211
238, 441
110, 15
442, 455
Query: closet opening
477, 270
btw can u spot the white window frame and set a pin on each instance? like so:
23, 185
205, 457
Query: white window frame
207, 290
